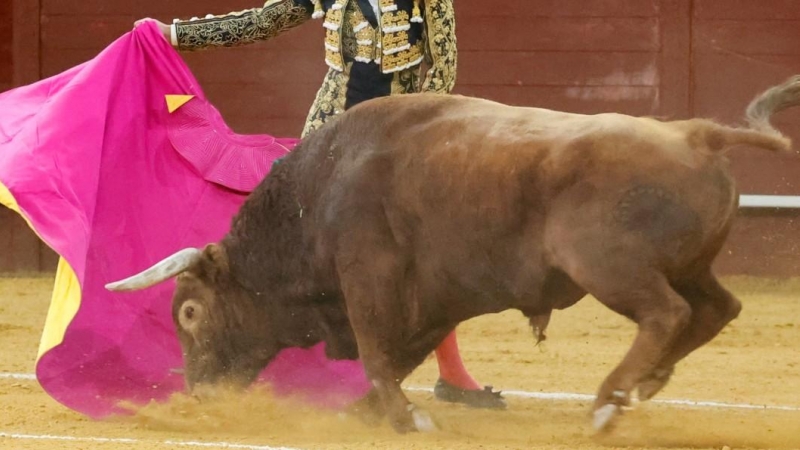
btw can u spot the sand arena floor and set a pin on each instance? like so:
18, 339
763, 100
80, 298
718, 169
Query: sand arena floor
755, 361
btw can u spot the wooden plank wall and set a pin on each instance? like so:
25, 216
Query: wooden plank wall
666, 58
740, 47
575, 55
19, 248
6, 33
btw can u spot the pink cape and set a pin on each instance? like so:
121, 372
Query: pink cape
116, 164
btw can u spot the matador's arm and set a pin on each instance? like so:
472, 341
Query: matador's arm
241, 27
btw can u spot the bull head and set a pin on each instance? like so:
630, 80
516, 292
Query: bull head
224, 336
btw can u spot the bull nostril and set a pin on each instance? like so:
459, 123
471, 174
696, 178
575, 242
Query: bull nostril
189, 312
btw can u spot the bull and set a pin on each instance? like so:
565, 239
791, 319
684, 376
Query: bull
407, 215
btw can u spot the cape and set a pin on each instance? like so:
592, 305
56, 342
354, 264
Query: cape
116, 164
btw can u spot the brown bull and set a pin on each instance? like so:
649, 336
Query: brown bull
407, 215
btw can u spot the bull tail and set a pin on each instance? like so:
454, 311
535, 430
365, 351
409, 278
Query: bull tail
771, 101
760, 133
724, 138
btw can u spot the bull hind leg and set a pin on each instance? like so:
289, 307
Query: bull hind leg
661, 315
713, 307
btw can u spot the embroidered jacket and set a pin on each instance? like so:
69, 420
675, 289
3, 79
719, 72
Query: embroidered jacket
397, 38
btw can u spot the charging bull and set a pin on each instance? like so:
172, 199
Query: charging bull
407, 215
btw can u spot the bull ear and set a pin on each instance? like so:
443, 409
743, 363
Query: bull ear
214, 261
163, 270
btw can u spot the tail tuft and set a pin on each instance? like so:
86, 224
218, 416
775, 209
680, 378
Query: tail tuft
771, 101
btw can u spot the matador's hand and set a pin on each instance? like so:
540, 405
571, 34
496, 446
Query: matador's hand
162, 27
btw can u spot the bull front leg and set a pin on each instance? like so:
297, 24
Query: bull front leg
373, 295
369, 409
386, 369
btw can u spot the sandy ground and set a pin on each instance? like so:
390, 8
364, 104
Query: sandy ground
755, 360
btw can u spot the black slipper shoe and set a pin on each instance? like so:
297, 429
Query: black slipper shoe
476, 398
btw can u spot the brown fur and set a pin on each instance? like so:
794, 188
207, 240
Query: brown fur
382, 231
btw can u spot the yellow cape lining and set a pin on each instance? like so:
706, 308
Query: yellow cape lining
66, 298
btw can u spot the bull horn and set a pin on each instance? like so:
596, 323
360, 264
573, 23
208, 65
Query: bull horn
167, 268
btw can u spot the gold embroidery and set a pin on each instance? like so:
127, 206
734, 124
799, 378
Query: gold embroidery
387, 5
329, 102
390, 47
416, 16
406, 81
441, 46
402, 60
318, 12
333, 50
365, 53
333, 19
395, 21
358, 37
332, 95
331, 38
358, 23
366, 37
241, 27
392, 40
365, 34
397, 52
364, 49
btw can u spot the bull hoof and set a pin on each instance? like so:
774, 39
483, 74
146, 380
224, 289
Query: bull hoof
604, 417
654, 383
423, 421
368, 417
414, 419
368, 409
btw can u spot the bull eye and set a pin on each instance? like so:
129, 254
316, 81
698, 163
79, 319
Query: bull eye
191, 311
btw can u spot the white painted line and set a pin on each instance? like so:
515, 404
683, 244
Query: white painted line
569, 396
562, 396
769, 201
18, 376
49, 437
721, 405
